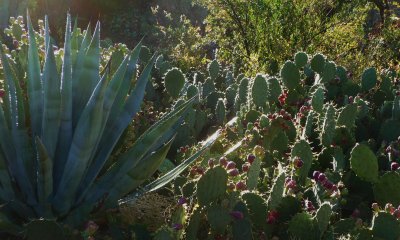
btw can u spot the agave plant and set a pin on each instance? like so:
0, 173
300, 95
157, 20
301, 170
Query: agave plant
59, 127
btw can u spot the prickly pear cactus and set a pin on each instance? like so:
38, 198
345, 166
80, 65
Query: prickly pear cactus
317, 100
309, 126
385, 226
257, 208
290, 75
396, 108
230, 96
318, 63
323, 217
386, 189
369, 79
274, 89
328, 127
193, 225
329, 72
301, 59
302, 226
277, 190
302, 149
213, 69
174, 81
254, 174
347, 117
220, 111
211, 186
364, 163
259, 91
191, 91
243, 90
208, 87
218, 218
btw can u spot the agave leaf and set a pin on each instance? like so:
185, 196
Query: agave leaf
66, 130
114, 130
77, 72
84, 140
15, 163
124, 89
46, 33
143, 171
51, 104
44, 178
140, 149
110, 95
34, 83
18, 134
7, 191
89, 75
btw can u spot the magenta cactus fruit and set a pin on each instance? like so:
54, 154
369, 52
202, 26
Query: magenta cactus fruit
394, 166
245, 167
230, 165
223, 161
241, 186
250, 158
238, 215
233, 172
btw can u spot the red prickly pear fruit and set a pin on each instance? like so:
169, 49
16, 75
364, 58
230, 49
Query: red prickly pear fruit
223, 161
322, 178
298, 163
272, 217
200, 170
245, 167
394, 166
316, 175
233, 172
230, 165
241, 186
211, 162
251, 158
182, 201
177, 226
237, 215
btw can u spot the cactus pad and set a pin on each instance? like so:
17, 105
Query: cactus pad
318, 63
364, 163
301, 59
290, 75
302, 149
213, 69
323, 216
385, 226
386, 190
174, 81
368, 79
317, 100
211, 186
259, 91
303, 227
276, 195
